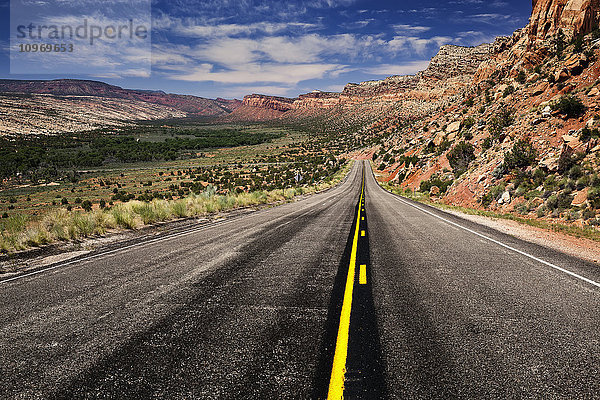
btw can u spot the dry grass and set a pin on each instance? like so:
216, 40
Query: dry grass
17, 233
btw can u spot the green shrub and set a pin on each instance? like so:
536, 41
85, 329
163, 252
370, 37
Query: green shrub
587, 134
541, 212
570, 106
460, 157
123, 218
559, 201
467, 123
492, 195
442, 147
487, 143
86, 205
522, 209
552, 202
435, 181
508, 91
578, 44
84, 224
179, 208
523, 154
559, 43
532, 194
588, 213
498, 123
593, 197
14, 223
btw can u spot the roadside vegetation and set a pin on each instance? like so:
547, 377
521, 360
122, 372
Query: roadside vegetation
18, 233
41, 158
586, 232
149, 174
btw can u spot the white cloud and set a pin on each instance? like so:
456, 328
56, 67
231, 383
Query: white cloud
232, 52
268, 28
490, 18
409, 68
413, 29
290, 74
416, 44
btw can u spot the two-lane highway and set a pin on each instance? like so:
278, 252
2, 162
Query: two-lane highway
352, 292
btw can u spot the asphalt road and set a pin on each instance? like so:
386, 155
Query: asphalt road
394, 298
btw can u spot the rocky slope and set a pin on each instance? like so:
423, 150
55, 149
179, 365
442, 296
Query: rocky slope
525, 138
574, 17
69, 105
191, 105
35, 114
448, 73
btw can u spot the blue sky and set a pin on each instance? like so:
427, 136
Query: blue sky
228, 48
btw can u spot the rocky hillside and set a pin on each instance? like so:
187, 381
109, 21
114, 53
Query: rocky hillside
36, 114
525, 136
447, 75
192, 105
69, 105
573, 17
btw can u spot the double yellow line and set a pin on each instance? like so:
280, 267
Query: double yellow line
338, 371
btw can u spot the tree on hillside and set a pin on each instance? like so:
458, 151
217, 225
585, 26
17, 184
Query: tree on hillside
522, 154
460, 157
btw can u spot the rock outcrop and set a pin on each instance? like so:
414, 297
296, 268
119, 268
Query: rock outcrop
192, 105
268, 102
574, 17
448, 73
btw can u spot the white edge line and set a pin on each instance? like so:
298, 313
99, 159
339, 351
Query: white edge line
573, 274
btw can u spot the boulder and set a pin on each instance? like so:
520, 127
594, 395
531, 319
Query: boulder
576, 63
551, 164
594, 92
505, 198
539, 88
547, 112
580, 198
434, 191
453, 127
561, 75
569, 138
439, 138
538, 121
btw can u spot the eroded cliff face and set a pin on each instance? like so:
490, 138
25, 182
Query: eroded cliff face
574, 17
268, 102
448, 74
191, 105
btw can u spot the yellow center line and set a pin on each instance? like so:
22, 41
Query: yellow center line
338, 371
362, 233
362, 277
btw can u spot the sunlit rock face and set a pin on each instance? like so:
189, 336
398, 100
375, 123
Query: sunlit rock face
574, 17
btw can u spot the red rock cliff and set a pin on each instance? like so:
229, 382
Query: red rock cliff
268, 102
572, 16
